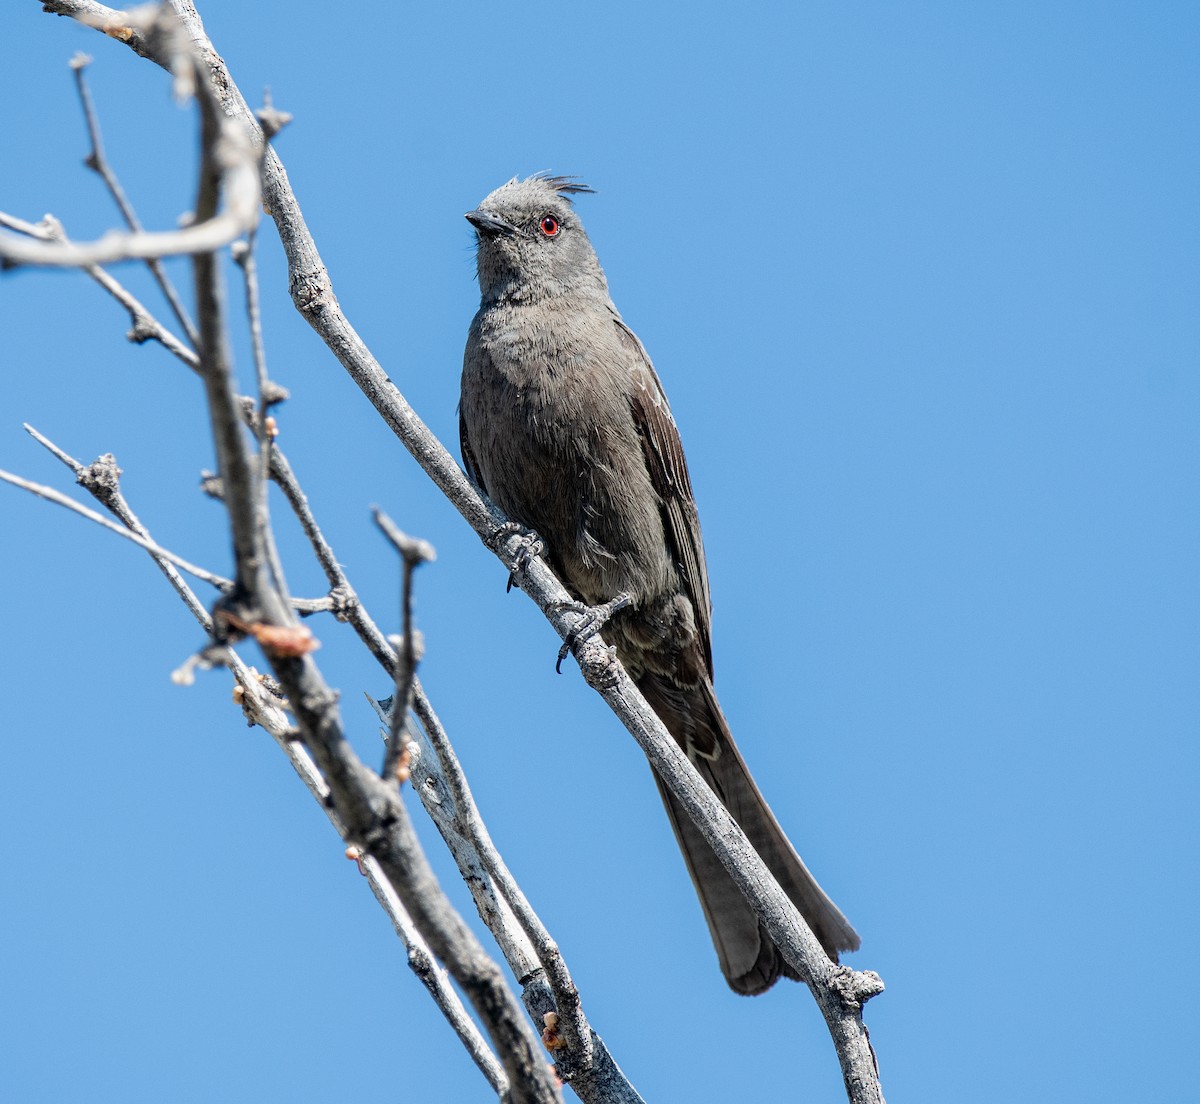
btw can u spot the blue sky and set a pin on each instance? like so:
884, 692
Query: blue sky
921, 283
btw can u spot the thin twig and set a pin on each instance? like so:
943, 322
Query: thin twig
234, 156
98, 162
85, 475
343, 602
145, 326
347, 607
452, 809
101, 479
373, 815
262, 427
267, 712
435, 979
57, 497
413, 552
575, 1029
243, 254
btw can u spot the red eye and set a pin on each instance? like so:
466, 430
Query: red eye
549, 226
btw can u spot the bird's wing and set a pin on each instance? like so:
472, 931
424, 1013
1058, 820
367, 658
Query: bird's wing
669, 475
470, 466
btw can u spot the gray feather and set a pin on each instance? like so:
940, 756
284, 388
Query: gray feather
565, 425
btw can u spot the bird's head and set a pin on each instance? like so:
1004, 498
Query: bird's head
530, 242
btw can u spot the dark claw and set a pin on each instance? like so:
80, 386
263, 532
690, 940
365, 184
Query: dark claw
593, 619
530, 548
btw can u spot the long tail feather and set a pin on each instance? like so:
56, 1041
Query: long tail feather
749, 959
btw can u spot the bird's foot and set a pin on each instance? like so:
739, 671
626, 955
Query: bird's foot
528, 550
592, 620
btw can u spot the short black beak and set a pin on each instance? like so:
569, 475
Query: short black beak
488, 224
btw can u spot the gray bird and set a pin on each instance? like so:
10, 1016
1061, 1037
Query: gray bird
565, 426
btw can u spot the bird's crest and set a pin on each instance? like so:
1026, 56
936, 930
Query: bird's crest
565, 186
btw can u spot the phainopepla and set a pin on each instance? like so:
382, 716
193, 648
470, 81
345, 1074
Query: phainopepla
565, 426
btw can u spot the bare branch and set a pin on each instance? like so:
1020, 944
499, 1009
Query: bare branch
243, 254
435, 979
593, 1074
261, 708
438, 780
372, 813
103, 473
233, 154
102, 480
214, 351
57, 497
412, 553
109, 21
840, 992
145, 326
106, 490
98, 162
347, 607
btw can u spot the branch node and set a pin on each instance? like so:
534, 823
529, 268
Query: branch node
204, 660
212, 485
599, 665
420, 961
252, 705
344, 601
310, 291
856, 987
403, 654
270, 118
101, 478
142, 331
274, 393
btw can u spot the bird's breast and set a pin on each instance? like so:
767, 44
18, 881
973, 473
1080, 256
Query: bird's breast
546, 408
